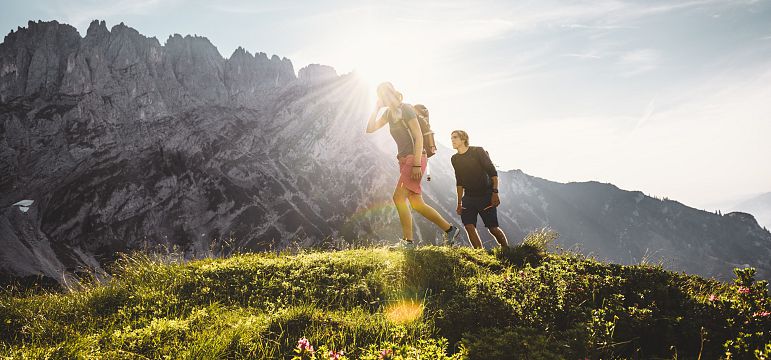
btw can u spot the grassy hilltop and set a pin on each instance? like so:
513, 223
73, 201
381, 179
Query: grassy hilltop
430, 303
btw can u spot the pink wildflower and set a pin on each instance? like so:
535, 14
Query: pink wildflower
743, 290
712, 297
386, 354
334, 355
304, 345
761, 314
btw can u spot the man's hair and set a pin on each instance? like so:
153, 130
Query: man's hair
462, 135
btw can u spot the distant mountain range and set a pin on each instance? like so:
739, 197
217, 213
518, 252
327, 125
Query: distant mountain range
122, 143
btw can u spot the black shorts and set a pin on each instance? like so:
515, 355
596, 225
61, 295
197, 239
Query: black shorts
475, 205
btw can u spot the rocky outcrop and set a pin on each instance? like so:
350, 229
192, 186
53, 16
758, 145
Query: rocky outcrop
315, 73
759, 206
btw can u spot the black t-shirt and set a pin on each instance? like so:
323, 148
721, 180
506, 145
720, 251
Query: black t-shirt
473, 171
399, 130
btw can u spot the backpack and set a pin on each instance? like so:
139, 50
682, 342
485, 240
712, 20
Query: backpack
429, 145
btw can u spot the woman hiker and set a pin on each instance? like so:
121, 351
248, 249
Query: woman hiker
402, 123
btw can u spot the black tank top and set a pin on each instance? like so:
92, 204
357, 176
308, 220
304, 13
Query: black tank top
405, 144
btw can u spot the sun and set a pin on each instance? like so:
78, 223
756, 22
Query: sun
376, 63
376, 53
377, 46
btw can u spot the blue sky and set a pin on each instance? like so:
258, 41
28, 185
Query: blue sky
667, 97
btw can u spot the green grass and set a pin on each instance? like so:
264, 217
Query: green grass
458, 303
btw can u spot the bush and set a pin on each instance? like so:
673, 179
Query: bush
511, 343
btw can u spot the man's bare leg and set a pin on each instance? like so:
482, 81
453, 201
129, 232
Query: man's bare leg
499, 236
473, 236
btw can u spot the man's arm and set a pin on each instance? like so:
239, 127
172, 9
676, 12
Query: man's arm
458, 185
459, 209
495, 201
489, 168
487, 164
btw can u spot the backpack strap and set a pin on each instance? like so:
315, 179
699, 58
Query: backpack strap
404, 123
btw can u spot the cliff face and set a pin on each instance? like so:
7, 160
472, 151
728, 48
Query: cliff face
124, 143
48, 58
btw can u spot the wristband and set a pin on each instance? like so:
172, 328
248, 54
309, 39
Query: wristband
417, 166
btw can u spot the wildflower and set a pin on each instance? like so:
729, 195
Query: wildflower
334, 355
743, 290
386, 354
304, 345
761, 314
712, 297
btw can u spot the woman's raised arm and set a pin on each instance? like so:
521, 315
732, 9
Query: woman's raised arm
374, 123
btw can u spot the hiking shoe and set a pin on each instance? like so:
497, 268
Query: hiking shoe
403, 245
451, 236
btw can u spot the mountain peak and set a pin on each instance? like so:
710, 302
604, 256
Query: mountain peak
316, 72
193, 42
240, 51
743, 217
38, 30
96, 28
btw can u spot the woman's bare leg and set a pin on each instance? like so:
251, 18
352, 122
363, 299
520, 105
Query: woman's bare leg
405, 217
417, 203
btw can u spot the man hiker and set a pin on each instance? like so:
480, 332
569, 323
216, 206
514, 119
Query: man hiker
476, 181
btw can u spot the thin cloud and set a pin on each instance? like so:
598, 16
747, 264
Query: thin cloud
79, 15
523, 66
586, 55
238, 7
639, 61
648, 113
678, 6
616, 15
598, 27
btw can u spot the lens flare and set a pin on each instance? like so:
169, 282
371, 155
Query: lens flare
404, 311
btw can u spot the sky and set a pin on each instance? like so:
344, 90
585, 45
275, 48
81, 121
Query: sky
671, 98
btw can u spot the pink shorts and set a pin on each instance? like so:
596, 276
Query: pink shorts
405, 173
